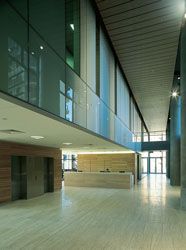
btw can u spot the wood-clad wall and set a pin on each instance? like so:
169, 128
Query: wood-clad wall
9, 149
114, 162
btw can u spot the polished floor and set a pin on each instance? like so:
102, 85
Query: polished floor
147, 217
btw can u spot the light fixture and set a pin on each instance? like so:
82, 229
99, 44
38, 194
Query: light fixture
67, 143
72, 26
185, 15
179, 77
41, 47
11, 131
32, 53
37, 137
174, 94
106, 152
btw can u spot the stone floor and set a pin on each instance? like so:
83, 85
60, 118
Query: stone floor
147, 217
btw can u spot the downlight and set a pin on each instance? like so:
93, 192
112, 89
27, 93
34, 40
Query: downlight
11, 131
67, 143
72, 26
36, 137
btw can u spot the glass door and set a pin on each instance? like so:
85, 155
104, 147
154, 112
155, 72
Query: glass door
156, 165
144, 164
152, 165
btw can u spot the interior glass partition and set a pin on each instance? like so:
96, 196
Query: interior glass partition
39, 64
154, 136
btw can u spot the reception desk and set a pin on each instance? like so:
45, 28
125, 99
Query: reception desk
96, 179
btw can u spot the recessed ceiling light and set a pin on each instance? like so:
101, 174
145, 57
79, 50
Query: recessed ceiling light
67, 143
72, 26
36, 137
41, 47
11, 131
32, 52
178, 77
185, 15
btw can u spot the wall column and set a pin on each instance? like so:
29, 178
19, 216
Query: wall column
183, 118
168, 151
175, 137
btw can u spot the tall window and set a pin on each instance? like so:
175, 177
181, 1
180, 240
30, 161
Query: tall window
98, 59
69, 104
72, 34
17, 70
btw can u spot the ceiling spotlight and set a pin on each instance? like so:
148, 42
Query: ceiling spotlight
67, 143
32, 53
174, 94
37, 137
185, 15
179, 77
72, 26
41, 47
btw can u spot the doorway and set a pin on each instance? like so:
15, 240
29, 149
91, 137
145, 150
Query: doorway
144, 164
153, 162
18, 178
48, 175
31, 176
156, 165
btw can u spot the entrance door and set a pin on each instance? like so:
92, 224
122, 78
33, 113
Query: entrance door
156, 165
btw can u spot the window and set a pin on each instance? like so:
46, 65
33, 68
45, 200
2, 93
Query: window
69, 104
62, 98
17, 70
72, 34
97, 59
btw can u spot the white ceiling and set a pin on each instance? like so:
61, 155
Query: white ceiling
54, 131
145, 35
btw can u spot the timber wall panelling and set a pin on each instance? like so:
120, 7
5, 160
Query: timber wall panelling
113, 162
10, 149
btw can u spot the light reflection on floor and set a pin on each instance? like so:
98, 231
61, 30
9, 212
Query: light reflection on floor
154, 189
147, 217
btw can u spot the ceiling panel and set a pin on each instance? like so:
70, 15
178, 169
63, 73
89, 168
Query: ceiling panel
14, 116
145, 35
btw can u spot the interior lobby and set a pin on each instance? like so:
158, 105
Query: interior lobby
93, 124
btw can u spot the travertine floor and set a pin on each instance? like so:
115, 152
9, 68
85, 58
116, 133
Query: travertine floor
147, 217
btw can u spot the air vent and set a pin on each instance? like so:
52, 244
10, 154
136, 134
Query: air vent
11, 131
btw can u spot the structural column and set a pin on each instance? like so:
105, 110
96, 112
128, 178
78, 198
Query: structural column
183, 118
168, 151
174, 138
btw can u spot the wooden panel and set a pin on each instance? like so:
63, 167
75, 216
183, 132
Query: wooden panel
105, 180
9, 149
113, 162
